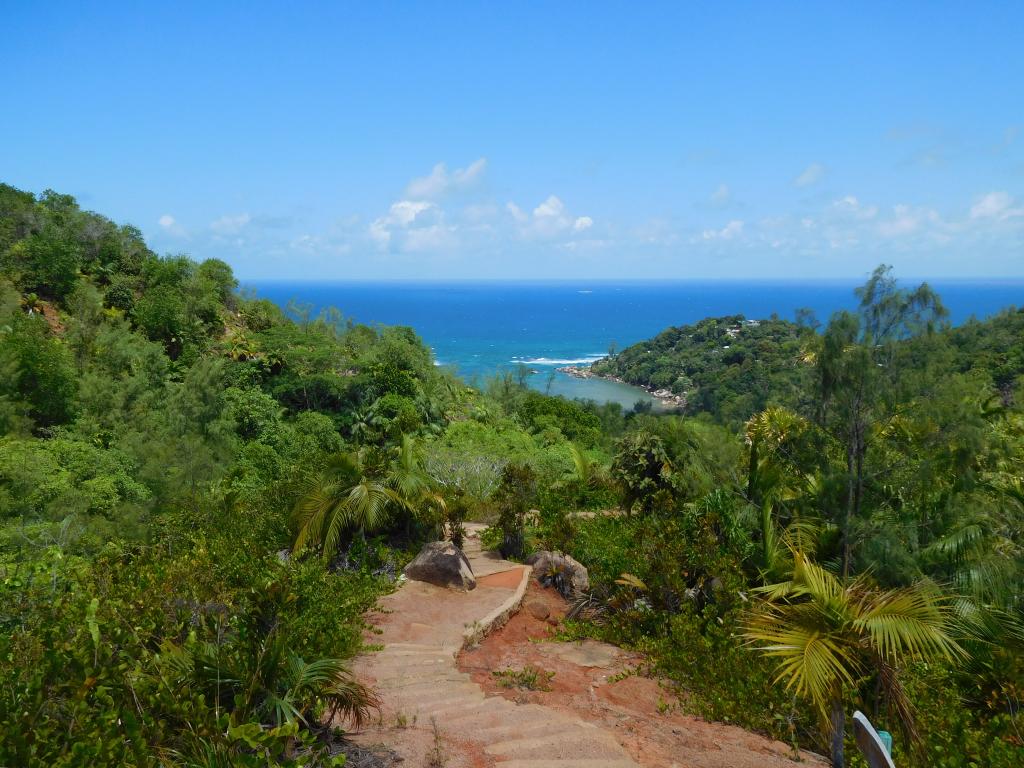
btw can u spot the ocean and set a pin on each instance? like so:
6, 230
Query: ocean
481, 328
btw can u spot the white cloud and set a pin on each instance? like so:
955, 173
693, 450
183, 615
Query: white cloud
405, 212
171, 226
722, 195
517, 213
480, 212
230, 225
812, 174
402, 224
904, 221
996, 205
655, 232
552, 208
850, 206
550, 219
441, 182
730, 231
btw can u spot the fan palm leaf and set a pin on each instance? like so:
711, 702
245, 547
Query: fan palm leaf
827, 635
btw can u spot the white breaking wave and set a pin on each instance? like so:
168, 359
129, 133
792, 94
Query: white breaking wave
556, 361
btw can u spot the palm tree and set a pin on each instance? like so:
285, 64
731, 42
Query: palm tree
829, 636
778, 490
406, 475
411, 482
342, 498
587, 471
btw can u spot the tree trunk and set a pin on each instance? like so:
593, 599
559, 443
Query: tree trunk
752, 473
848, 510
838, 733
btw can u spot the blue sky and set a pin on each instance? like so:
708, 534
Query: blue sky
401, 140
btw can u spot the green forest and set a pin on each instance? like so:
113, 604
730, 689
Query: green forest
201, 494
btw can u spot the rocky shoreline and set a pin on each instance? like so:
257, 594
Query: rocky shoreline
667, 399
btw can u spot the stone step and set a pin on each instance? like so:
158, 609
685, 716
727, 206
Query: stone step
567, 763
406, 688
447, 713
530, 728
412, 653
426, 697
410, 657
452, 703
419, 647
490, 712
413, 656
571, 743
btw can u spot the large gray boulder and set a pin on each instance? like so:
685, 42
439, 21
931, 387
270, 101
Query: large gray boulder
443, 564
553, 569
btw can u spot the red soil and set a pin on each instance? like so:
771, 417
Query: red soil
639, 711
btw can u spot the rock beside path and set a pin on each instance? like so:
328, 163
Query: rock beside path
553, 569
538, 609
443, 564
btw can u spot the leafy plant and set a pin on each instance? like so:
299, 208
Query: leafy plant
342, 498
529, 678
828, 637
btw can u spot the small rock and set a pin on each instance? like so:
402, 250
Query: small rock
443, 564
538, 609
553, 569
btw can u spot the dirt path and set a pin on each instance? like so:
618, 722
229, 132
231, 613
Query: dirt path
443, 709
594, 681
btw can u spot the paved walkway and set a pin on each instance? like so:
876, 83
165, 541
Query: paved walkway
433, 715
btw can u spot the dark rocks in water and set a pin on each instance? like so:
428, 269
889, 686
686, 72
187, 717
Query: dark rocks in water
443, 564
553, 569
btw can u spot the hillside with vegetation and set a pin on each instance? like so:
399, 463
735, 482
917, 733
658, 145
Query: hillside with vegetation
733, 367
201, 495
728, 366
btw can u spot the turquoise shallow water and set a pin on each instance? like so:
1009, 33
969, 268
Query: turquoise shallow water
482, 328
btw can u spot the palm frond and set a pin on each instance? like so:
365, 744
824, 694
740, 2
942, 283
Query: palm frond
811, 663
908, 622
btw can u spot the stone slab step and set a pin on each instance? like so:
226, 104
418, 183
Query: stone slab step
439, 694
399, 652
567, 763
531, 728
446, 713
576, 742
406, 688
420, 647
405, 657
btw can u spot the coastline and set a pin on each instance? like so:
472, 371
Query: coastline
668, 400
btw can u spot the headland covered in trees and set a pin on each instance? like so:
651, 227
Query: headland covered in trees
200, 496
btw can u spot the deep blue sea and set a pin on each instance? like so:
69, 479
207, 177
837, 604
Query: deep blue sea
482, 328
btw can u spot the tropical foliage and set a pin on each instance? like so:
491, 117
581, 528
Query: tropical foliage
202, 493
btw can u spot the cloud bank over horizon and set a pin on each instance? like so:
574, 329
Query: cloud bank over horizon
452, 223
